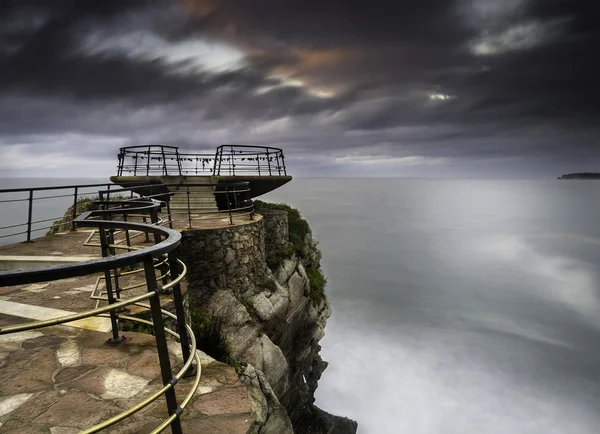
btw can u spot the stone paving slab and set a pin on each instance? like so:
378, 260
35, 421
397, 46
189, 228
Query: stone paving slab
63, 244
62, 380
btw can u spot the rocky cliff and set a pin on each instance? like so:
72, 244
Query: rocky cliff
260, 288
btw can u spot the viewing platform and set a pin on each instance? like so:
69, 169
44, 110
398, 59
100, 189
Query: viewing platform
68, 365
262, 167
94, 321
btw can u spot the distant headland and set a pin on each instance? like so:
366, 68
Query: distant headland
584, 175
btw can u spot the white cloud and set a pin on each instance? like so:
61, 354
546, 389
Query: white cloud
198, 53
521, 36
59, 157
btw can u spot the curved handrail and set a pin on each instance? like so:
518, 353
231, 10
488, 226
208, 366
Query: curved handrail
41, 274
147, 256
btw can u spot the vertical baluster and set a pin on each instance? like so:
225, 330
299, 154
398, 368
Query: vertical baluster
74, 215
29, 214
161, 343
115, 339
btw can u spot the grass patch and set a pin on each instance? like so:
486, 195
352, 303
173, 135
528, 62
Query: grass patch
131, 326
318, 282
207, 331
64, 224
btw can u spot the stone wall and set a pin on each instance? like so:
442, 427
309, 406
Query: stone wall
232, 258
276, 232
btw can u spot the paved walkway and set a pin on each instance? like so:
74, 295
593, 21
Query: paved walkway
64, 379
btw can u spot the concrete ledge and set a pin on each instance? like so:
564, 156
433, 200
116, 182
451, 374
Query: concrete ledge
10, 262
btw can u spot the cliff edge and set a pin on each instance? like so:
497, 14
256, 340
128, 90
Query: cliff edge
257, 300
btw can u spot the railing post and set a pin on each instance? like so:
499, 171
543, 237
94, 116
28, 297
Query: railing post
148, 163
157, 239
135, 158
164, 161
278, 166
178, 160
74, 216
29, 214
228, 203
113, 252
115, 339
169, 212
268, 162
179, 309
161, 344
189, 207
215, 165
147, 240
127, 237
233, 160
283, 163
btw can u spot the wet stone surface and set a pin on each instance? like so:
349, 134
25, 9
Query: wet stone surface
64, 380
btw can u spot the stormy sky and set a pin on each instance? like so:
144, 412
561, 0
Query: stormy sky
434, 88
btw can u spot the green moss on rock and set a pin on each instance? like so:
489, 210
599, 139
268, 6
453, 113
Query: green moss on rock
318, 282
207, 331
298, 227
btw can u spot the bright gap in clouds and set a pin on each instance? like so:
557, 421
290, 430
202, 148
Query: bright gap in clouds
197, 53
284, 82
521, 36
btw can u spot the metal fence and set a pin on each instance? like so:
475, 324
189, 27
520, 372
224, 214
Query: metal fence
159, 257
239, 160
29, 197
232, 201
233, 160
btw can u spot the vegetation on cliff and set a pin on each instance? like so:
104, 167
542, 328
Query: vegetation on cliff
66, 223
298, 227
298, 230
209, 338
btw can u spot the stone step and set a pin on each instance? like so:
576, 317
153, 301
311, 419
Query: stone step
194, 203
194, 208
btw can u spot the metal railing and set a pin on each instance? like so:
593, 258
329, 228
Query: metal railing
159, 256
249, 160
233, 160
27, 197
231, 201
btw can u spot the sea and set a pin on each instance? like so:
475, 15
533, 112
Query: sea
459, 306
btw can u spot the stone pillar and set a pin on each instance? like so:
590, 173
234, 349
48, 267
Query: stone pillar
229, 258
276, 232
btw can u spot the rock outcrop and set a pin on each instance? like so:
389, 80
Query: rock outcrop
266, 294
583, 175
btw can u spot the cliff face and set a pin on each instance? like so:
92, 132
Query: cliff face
271, 317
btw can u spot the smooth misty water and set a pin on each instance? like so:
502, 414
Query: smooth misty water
459, 306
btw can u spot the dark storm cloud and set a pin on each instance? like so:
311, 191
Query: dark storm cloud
423, 83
